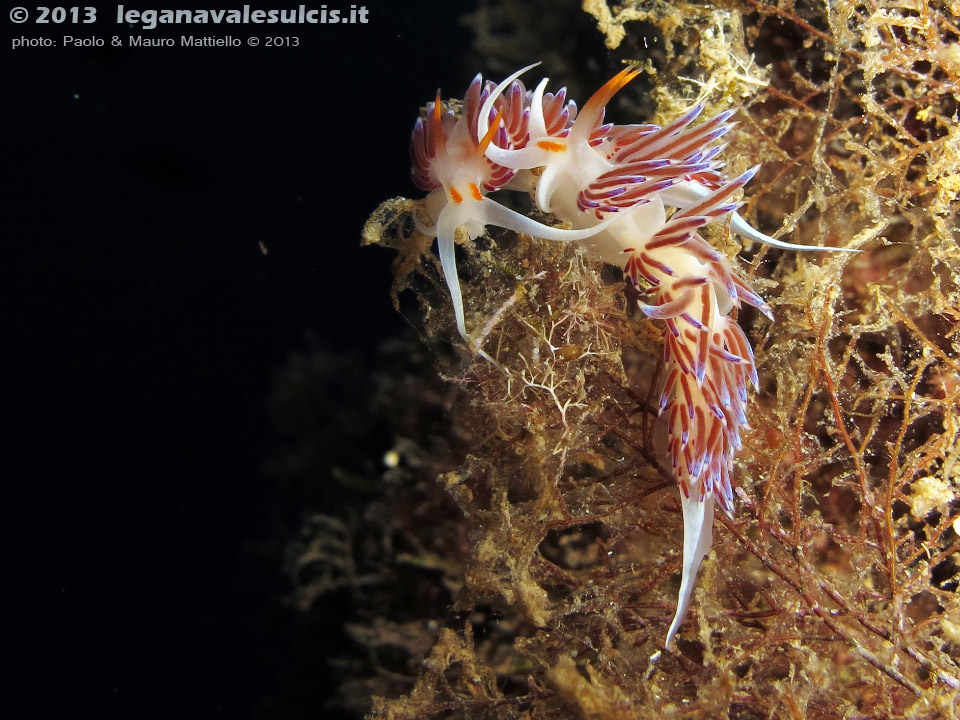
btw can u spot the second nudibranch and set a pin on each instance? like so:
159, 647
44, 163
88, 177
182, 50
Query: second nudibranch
614, 185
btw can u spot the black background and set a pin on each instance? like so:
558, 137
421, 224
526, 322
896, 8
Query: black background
143, 324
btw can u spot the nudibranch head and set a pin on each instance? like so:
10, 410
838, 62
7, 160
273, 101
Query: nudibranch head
447, 152
559, 139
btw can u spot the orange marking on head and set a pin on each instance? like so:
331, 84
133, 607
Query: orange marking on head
436, 108
618, 81
491, 131
610, 88
590, 115
551, 146
455, 196
475, 191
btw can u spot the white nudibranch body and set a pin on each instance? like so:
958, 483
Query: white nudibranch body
614, 185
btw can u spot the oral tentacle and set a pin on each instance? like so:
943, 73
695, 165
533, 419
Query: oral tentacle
498, 91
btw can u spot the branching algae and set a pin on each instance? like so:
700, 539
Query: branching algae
832, 590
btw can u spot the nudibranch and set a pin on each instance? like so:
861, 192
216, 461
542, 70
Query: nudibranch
450, 160
636, 196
